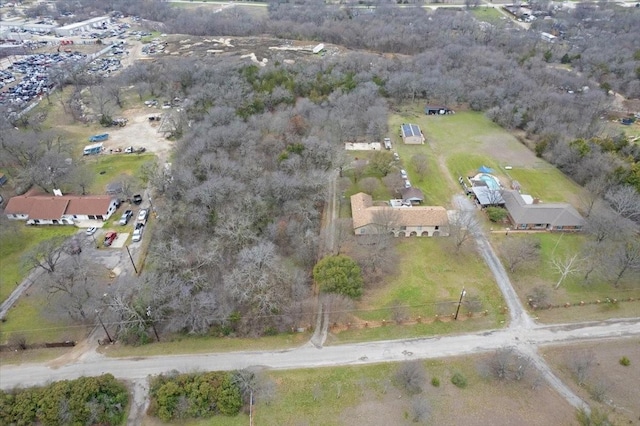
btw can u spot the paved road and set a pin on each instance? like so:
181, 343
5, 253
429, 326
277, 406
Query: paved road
309, 356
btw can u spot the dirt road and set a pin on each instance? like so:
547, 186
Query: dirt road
308, 356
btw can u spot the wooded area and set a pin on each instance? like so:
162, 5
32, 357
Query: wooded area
257, 146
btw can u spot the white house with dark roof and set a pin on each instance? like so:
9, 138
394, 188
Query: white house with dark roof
404, 220
541, 216
411, 134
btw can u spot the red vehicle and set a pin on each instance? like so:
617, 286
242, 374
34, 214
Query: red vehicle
109, 238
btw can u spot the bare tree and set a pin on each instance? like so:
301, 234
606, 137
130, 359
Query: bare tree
46, 254
255, 385
462, 228
566, 266
411, 376
580, 366
73, 290
369, 185
420, 163
624, 258
625, 200
508, 364
518, 252
539, 297
399, 311
420, 409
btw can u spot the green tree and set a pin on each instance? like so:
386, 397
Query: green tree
496, 214
339, 274
547, 56
382, 162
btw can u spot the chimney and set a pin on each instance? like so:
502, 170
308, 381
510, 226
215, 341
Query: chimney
536, 201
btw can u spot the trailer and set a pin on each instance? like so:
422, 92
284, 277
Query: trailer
99, 138
96, 148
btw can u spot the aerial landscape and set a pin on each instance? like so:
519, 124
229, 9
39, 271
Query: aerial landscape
318, 212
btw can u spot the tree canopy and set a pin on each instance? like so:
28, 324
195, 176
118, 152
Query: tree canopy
339, 274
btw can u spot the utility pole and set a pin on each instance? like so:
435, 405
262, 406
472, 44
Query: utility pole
462, 293
153, 324
251, 408
103, 326
132, 262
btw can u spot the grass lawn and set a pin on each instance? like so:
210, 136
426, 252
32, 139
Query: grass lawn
370, 395
408, 331
548, 184
573, 289
188, 345
17, 240
488, 14
110, 167
28, 318
429, 280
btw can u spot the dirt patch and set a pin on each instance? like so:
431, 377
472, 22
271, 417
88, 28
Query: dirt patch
139, 132
619, 383
518, 155
386, 409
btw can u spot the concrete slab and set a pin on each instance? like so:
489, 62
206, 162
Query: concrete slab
120, 240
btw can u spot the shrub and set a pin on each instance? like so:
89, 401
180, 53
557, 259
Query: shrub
459, 380
625, 361
435, 382
411, 376
496, 214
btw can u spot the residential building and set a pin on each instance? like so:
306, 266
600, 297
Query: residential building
540, 216
60, 210
401, 218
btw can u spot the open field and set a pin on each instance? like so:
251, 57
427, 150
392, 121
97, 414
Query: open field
489, 14
573, 289
608, 386
459, 144
429, 281
16, 242
28, 318
110, 167
371, 395
548, 184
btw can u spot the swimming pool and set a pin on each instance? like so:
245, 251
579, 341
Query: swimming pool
491, 181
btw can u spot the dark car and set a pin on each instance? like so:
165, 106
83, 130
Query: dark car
137, 199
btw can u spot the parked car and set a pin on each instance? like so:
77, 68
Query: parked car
129, 150
124, 219
137, 234
407, 184
142, 215
137, 199
396, 157
109, 238
403, 173
92, 230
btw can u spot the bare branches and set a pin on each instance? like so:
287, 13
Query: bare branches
566, 266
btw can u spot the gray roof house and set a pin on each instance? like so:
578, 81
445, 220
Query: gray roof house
541, 216
412, 195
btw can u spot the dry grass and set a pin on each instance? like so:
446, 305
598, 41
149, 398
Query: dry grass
621, 383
